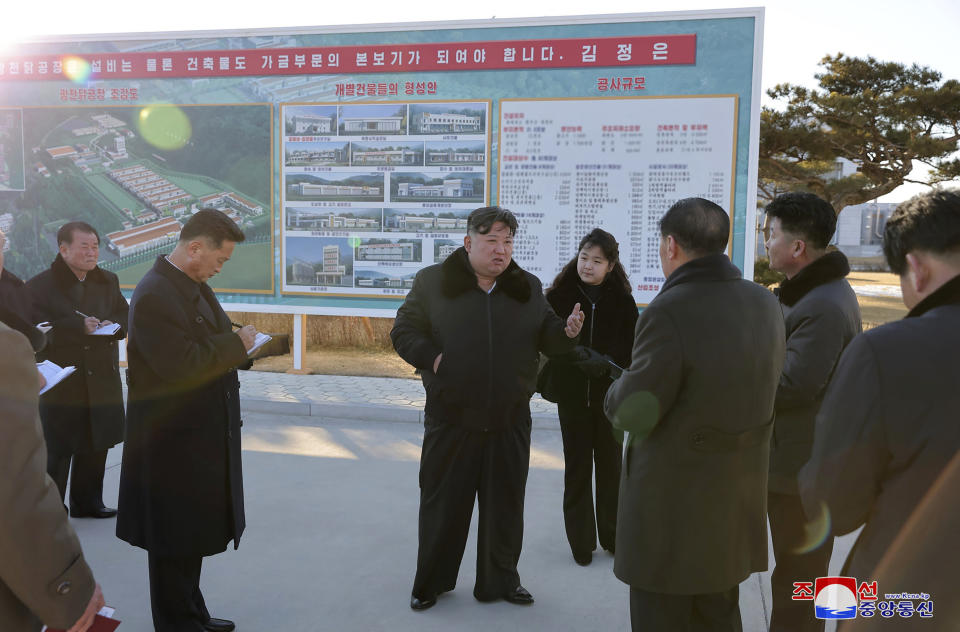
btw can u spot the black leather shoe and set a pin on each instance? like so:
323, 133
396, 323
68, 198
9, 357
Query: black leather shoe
100, 512
422, 604
219, 625
583, 559
519, 596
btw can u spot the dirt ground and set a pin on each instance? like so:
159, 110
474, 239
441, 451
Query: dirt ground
384, 362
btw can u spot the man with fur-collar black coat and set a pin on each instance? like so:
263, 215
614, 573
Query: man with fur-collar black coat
474, 326
83, 416
821, 317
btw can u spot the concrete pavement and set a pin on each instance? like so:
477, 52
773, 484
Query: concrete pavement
330, 476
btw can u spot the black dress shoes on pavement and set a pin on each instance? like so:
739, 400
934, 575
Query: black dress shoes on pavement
422, 604
519, 596
99, 512
219, 625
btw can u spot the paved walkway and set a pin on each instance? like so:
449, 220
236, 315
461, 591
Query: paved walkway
346, 397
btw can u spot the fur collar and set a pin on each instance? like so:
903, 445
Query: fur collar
946, 294
65, 277
458, 277
709, 268
829, 267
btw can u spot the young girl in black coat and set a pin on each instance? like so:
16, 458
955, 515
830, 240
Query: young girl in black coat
595, 278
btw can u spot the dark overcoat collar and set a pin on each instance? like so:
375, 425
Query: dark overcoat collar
64, 277
946, 294
186, 286
829, 267
709, 268
458, 277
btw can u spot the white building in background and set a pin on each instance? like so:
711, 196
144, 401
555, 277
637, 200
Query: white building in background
373, 124
312, 124
332, 271
305, 189
454, 187
402, 251
448, 122
445, 250
129, 242
385, 157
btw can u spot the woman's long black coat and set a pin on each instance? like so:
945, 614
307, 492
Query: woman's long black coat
86, 409
608, 328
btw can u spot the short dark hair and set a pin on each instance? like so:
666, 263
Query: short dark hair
698, 225
65, 234
929, 222
804, 214
481, 220
212, 224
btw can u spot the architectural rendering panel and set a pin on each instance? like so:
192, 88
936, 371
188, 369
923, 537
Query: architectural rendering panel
372, 120
334, 186
136, 174
448, 118
318, 262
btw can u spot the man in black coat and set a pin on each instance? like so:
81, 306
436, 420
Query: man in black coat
16, 304
697, 401
822, 316
888, 429
473, 327
181, 485
83, 416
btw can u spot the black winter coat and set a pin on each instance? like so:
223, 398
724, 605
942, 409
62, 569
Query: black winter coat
698, 403
490, 342
88, 405
181, 484
886, 437
607, 328
16, 309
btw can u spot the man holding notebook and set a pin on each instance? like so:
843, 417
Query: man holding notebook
83, 416
181, 486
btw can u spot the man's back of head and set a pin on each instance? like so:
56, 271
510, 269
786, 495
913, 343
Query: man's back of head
921, 243
699, 226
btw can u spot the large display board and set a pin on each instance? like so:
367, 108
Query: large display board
352, 156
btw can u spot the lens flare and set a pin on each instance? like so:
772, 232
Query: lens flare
166, 127
77, 69
353, 241
815, 531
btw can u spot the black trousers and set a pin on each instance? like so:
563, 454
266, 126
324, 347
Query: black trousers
590, 448
712, 612
457, 466
85, 471
794, 561
175, 597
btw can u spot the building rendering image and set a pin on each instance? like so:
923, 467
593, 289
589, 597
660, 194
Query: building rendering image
373, 125
392, 251
399, 156
311, 124
320, 219
455, 157
454, 187
306, 189
332, 271
304, 154
448, 122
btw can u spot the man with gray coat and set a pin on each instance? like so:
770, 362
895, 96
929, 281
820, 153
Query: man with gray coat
44, 577
887, 438
697, 401
821, 315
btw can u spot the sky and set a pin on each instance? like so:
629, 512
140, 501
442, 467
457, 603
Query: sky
797, 33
